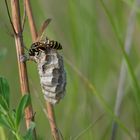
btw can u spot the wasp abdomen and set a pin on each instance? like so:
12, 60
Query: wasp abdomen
53, 45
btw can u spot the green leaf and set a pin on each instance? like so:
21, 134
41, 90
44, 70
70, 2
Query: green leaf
3, 105
4, 122
29, 134
2, 109
13, 114
21, 107
4, 90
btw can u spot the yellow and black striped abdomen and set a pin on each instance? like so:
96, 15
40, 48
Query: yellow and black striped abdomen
54, 45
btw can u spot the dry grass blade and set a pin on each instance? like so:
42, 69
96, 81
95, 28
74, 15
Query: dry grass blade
8, 12
31, 20
42, 29
24, 17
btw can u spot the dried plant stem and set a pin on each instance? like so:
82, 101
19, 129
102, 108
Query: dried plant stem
52, 121
49, 107
22, 66
31, 20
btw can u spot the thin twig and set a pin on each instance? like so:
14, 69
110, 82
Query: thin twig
8, 12
33, 29
49, 107
123, 70
21, 65
52, 121
23, 18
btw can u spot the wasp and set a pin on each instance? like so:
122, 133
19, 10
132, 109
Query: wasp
46, 45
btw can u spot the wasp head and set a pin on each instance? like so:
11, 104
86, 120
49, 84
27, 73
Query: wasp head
34, 48
31, 52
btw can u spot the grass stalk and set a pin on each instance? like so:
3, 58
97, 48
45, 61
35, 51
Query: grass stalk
99, 96
16, 20
123, 70
32, 25
49, 106
133, 78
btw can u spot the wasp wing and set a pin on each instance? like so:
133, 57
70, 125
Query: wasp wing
42, 29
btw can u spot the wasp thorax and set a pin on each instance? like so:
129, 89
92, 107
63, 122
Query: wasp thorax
36, 48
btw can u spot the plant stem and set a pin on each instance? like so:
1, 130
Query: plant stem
52, 121
21, 65
49, 106
18, 137
33, 29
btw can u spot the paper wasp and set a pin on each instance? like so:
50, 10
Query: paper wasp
46, 45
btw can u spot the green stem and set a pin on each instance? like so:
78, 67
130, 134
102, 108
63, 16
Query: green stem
18, 137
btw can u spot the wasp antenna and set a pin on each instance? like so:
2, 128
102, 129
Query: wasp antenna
42, 29
8, 12
24, 17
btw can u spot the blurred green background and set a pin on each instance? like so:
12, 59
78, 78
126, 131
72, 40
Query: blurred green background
92, 56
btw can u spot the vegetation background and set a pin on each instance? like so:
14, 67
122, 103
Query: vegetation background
92, 34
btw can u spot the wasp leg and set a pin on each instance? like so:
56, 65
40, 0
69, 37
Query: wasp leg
24, 58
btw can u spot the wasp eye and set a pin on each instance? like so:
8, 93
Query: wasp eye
31, 52
35, 45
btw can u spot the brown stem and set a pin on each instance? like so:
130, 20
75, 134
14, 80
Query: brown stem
52, 121
31, 20
21, 65
49, 107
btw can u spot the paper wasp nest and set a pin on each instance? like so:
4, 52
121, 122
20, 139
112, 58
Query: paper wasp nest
52, 75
